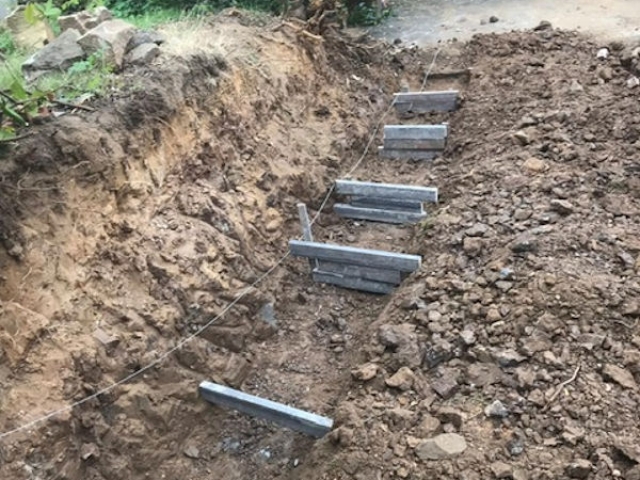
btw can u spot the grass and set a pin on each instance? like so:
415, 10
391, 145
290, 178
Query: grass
158, 17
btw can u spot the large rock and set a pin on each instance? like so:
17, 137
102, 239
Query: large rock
442, 446
25, 34
143, 54
142, 37
110, 37
84, 21
58, 55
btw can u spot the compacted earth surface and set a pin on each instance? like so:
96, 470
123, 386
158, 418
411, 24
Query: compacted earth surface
513, 353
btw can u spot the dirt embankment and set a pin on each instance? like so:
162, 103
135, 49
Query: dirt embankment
130, 228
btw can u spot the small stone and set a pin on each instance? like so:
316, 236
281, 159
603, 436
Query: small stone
501, 470
468, 337
524, 244
602, 54
109, 341
493, 315
403, 379
89, 450
483, 374
620, 376
580, 468
472, 246
504, 286
605, 73
509, 358
366, 372
543, 25
589, 341
515, 447
496, 409
633, 82
477, 230
192, 452
522, 137
575, 86
445, 387
563, 207
428, 425
534, 165
440, 447
493, 19
521, 214
451, 415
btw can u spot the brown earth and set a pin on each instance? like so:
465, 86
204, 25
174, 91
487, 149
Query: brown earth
127, 229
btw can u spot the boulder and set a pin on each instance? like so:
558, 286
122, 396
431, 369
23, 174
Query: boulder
58, 55
143, 54
25, 34
110, 37
142, 37
84, 21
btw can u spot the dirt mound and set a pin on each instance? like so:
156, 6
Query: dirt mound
521, 331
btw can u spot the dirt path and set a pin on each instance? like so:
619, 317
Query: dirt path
428, 21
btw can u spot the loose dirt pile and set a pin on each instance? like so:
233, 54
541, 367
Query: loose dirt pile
128, 229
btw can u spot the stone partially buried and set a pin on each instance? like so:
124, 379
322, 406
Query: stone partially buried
58, 55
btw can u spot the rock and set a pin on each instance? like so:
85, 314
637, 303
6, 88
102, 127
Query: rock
143, 54
395, 336
496, 409
515, 446
493, 314
472, 246
192, 452
58, 56
112, 37
602, 54
477, 230
575, 86
633, 82
522, 137
403, 379
590, 340
442, 446
71, 22
145, 36
483, 374
236, 370
102, 14
84, 21
543, 25
428, 425
509, 358
89, 450
403, 341
365, 372
501, 470
445, 387
633, 474
580, 468
524, 244
25, 34
468, 337
534, 165
451, 415
563, 207
620, 376
537, 342
109, 341
605, 73
493, 19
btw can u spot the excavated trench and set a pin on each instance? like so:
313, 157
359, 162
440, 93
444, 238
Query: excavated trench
127, 229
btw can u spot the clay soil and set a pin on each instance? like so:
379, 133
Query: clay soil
127, 229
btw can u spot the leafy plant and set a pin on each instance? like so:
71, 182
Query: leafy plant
7, 45
46, 12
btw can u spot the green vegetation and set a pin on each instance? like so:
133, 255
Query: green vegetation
366, 15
